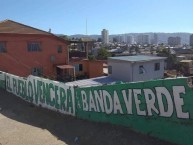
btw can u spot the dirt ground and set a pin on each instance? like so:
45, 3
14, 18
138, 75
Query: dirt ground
23, 124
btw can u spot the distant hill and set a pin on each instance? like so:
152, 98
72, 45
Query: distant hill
162, 37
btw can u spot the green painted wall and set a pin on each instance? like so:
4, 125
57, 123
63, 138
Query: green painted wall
161, 108
2, 84
2, 80
152, 117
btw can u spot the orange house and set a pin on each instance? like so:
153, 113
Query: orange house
85, 67
25, 50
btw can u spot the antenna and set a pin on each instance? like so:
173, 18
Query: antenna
86, 26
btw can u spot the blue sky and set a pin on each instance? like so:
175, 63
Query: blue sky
118, 16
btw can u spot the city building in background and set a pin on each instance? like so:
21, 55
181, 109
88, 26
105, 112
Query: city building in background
174, 41
155, 38
143, 39
130, 40
105, 36
191, 40
124, 38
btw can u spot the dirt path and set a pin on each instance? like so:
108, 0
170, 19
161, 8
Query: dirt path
23, 124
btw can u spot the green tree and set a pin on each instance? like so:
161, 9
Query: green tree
134, 48
91, 57
164, 52
103, 54
137, 49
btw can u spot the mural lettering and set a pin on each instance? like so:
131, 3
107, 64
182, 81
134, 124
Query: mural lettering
43, 92
143, 102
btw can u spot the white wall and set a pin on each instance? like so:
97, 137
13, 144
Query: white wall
121, 70
129, 72
150, 72
49, 94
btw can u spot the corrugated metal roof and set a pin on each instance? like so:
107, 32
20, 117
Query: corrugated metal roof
137, 58
99, 81
182, 51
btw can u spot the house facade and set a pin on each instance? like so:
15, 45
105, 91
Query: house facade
136, 68
187, 67
25, 50
85, 68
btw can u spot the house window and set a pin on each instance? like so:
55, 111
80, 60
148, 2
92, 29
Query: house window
37, 71
141, 69
157, 66
110, 69
2, 47
34, 46
78, 67
59, 48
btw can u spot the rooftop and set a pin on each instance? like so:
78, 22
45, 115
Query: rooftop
186, 61
9, 26
99, 81
182, 50
137, 58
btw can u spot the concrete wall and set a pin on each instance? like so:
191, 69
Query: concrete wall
21, 61
161, 108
